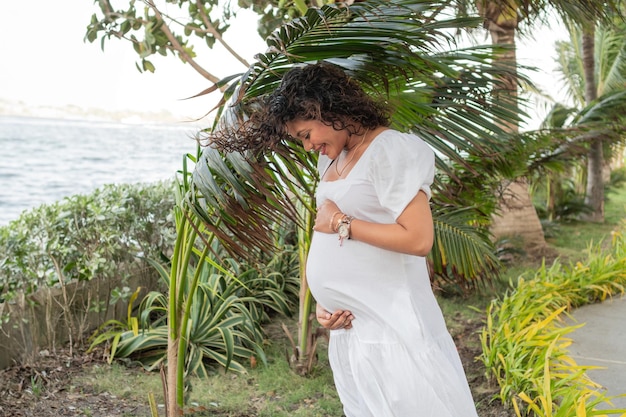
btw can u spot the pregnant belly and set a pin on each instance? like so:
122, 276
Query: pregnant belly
354, 276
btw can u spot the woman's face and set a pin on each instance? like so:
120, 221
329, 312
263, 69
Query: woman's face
319, 137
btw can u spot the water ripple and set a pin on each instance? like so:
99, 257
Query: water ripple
45, 160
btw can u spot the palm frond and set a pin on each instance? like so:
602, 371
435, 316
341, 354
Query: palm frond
402, 50
610, 50
396, 50
462, 252
605, 113
582, 11
241, 199
569, 66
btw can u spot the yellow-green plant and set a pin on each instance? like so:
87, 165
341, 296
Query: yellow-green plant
113, 329
524, 339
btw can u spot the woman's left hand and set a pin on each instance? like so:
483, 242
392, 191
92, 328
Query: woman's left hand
324, 221
340, 319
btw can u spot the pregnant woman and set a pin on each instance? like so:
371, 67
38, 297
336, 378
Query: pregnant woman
390, 351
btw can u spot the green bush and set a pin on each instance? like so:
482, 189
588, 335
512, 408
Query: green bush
118, 229
85, 236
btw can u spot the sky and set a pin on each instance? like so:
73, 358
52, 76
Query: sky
46, 62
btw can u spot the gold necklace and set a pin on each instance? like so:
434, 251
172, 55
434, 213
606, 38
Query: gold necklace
339, 172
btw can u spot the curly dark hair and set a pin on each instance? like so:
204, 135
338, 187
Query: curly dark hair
320, 91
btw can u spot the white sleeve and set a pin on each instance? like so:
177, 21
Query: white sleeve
403, 164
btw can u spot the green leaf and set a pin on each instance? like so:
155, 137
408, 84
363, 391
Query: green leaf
147, 65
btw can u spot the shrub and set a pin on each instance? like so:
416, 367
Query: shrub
65, 266
85, 236
524, 341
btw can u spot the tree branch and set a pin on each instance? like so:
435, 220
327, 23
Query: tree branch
217, 35
178, 47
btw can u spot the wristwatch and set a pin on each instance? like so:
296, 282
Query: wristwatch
343, 228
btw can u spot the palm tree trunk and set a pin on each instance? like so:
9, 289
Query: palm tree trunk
517, 215
594, 196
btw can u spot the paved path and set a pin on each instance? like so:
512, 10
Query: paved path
602, 342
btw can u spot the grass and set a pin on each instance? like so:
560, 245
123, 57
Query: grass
573, 237
271, 391
276, 391
106, 379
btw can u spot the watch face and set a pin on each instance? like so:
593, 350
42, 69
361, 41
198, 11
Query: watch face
343, 230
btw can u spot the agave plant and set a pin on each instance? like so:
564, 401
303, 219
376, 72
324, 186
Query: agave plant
400, 50
211, 312
221, 328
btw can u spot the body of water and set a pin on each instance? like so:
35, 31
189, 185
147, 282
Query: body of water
44, 160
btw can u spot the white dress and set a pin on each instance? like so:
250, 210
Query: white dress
398, 360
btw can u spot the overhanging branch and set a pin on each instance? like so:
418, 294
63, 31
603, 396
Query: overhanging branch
178, 47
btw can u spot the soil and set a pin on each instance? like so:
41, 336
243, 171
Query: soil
45, 388
484, 391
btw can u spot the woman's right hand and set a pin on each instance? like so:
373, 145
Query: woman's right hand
340, 319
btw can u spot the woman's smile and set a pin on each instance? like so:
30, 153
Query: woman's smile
317, 136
